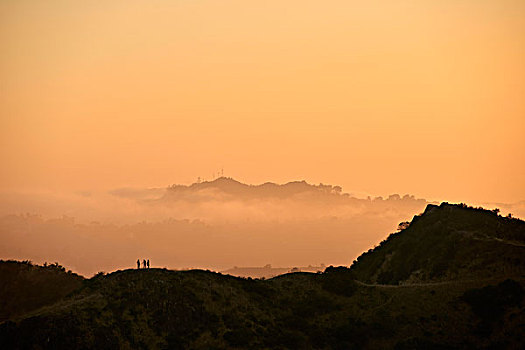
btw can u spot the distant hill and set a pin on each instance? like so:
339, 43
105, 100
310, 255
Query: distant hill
229, 187
472, 302
226, 188
447, 242
268, 271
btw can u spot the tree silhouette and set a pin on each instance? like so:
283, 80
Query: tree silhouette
403, 225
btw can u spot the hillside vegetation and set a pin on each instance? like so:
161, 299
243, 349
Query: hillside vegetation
25, 287
447, 242
342, 308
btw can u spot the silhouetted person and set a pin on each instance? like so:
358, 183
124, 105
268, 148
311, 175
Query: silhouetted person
144, 263
138, 263
148, 263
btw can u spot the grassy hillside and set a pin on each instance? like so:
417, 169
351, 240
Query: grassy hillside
447, 242
25, 287
161, 309
341, 308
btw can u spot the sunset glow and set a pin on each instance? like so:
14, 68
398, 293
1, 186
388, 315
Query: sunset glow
380, 97
247, 174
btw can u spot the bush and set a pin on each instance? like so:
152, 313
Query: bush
489, 303
339, 280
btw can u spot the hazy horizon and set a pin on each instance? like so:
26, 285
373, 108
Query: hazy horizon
211, 225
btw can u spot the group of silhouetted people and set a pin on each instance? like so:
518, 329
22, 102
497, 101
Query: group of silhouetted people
145, 264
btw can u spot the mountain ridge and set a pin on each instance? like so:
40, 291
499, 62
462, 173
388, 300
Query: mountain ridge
234, 188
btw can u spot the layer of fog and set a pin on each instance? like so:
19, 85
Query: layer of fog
213, 225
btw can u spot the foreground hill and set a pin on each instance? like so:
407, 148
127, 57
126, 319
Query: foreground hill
25, 287
160, 309
447, 242
337, 309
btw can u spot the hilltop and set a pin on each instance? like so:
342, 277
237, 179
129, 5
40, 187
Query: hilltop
447, 242
418, 307
230, 187
227, 188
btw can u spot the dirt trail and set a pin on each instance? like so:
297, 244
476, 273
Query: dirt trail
514, 243
432, 284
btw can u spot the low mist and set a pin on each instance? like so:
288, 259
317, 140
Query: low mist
212, 225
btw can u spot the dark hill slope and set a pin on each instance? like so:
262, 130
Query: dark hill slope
25, 287
447, 242
473, 299
161, 309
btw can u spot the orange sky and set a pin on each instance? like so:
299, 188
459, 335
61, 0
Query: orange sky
421, 97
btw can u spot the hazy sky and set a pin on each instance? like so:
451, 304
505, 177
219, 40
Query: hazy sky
422, 97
